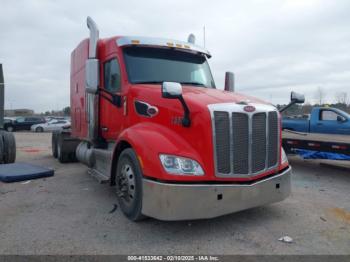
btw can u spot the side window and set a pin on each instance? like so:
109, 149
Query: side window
328, 115
112, 79
20, 120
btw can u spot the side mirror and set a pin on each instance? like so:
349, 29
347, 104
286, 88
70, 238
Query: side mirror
92, 75
171, 90
340, 119
229, 82
297, 98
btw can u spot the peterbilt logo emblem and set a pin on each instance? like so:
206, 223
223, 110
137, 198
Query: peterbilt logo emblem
249, 109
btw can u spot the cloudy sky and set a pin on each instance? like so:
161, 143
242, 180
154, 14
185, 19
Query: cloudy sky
273, 47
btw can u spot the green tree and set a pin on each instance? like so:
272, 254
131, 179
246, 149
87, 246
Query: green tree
66, 111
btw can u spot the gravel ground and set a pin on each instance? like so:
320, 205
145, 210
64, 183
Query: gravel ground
71, 213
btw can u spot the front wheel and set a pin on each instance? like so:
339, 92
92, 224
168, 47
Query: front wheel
39, 129
9, 129
129, 185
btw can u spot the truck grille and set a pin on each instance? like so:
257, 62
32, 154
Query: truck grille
244, 143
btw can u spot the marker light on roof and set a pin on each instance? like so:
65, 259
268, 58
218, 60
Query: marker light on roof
191, 39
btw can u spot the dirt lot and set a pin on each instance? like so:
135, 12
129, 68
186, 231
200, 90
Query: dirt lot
71, 213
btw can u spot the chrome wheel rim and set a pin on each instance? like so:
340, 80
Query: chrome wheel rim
126, 184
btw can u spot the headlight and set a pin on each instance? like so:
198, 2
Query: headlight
284, 156
181, 165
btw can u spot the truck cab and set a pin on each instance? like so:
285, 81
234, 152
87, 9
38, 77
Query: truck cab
147, 118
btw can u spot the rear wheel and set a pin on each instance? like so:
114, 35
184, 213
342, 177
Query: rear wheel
9, 147
9, 129
129, 185
54, 144
39, 129
1, 147
62, 156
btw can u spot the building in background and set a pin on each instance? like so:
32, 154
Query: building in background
18, 112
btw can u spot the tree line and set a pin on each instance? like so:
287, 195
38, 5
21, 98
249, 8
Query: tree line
64, 112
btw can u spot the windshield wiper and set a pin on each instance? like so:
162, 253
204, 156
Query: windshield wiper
193, 83
148, 82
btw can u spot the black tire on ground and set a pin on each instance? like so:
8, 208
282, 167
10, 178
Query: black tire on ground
54, 143
1, 147
62, 156
39, 129
10, 129
9, 152
129, 185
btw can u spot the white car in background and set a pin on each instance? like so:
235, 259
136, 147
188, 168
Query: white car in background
53, 125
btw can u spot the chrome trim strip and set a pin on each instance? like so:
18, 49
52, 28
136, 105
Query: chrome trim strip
231, 143
239, 108
163, 42
250, 142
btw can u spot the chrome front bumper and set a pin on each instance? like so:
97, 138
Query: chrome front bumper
167, 201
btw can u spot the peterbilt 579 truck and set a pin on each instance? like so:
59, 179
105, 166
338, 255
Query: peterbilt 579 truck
148, 119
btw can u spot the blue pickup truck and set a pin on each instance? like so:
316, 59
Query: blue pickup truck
324, 120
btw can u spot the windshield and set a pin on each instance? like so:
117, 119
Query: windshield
157, 65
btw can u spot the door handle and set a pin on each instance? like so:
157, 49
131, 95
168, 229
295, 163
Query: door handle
104, 129
319, 124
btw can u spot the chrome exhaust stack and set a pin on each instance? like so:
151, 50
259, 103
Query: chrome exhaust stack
2, 95
94, 36
92, 81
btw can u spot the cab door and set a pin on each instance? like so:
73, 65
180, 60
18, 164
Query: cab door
111, 100
331, 122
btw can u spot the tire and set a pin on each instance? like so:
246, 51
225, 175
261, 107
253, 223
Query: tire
1, 147
10, 129
9, 148
54, 144
129, 185
39, 129
62, 156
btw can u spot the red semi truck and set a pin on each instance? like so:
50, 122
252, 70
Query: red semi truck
147, 118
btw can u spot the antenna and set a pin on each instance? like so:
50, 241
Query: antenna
204, 36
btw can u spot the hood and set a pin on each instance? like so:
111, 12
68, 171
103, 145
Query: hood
206, 96
195, 96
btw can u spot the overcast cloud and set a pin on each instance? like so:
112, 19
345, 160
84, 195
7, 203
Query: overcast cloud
273, 47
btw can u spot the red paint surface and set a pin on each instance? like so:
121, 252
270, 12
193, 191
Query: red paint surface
150, 137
